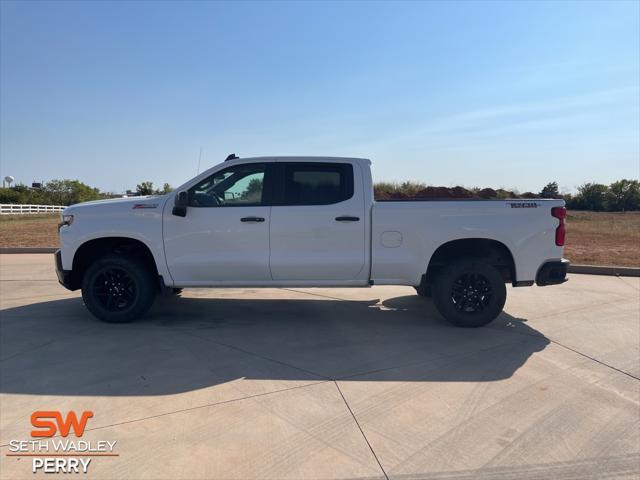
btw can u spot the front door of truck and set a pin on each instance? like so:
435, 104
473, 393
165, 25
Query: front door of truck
317, 222
224, 236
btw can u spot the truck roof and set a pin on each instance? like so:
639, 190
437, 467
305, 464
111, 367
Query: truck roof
364, 162
292, 158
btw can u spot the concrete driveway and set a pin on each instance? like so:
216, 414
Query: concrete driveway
324, 383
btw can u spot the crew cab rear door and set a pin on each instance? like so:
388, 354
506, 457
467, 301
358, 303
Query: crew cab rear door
317, 221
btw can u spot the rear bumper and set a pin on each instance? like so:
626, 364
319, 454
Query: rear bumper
552, 273
64, 276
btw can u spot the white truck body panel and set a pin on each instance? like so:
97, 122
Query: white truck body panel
528, 233
308, 244
303, 245
213, 245
115, 218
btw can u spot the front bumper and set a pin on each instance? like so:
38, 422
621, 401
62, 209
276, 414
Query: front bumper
552, 273
65, 277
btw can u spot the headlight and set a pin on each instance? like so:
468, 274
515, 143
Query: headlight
65, 220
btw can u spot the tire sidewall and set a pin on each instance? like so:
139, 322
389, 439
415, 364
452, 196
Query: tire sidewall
445, 305
424, 290
143, 283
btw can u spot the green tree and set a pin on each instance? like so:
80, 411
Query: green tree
166, 188
624, 195
66, 192
570, 201
550, 190
592, 196
11, 195
253, 193
145, 188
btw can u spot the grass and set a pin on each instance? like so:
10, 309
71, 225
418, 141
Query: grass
29, 230
603, 238
593, 238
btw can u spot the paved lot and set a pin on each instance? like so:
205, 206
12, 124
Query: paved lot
321, 383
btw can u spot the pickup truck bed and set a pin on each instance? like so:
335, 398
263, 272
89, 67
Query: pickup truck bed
426, 226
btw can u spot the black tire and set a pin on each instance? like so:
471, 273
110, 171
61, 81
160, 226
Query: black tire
118, 289
423, 290
469, 293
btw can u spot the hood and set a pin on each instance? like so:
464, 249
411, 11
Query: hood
128, 203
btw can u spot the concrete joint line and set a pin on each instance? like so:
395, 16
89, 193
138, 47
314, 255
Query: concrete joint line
361, 431
316, 295
628, 284
573, 310
247, 352
593, 359
213, 404
566, 347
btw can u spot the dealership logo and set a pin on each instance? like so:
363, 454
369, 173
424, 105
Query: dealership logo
47, 428
52, 452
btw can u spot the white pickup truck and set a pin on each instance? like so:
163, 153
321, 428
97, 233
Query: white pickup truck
306, 222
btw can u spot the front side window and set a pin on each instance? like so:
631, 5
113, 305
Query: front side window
241, 185
317, 183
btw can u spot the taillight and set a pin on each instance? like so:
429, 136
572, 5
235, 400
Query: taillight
561, 232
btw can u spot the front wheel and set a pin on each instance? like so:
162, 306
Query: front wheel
118, 289
469, 293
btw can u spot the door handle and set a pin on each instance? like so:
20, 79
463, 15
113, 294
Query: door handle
252, 219
347, 218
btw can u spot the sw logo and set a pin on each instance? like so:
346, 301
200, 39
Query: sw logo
47, 428
60, 455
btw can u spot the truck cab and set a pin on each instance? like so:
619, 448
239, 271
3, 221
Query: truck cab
264, 221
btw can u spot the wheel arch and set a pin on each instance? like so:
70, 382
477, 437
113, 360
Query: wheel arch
91, 250
492, 251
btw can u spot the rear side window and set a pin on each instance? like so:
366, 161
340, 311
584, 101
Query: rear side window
317, 183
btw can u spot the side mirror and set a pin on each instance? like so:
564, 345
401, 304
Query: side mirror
180, 204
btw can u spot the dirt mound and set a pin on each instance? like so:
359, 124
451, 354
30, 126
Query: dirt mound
444, 192
488, 193
451, 193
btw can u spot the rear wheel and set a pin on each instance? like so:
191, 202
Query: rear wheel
469, 293
118, 289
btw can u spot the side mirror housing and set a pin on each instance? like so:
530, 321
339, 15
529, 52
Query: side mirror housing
180, 204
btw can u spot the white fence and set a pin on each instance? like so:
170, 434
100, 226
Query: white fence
17, 209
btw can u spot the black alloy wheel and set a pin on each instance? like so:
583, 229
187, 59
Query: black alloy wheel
469, 292
119, 288
115, 289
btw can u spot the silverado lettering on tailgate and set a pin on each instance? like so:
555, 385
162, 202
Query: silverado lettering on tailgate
523, 204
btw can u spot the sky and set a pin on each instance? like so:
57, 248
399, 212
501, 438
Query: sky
490, 94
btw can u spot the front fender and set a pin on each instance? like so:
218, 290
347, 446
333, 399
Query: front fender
143, 225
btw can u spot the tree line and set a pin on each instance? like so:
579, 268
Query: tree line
623, 195
620, 196
68, 192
